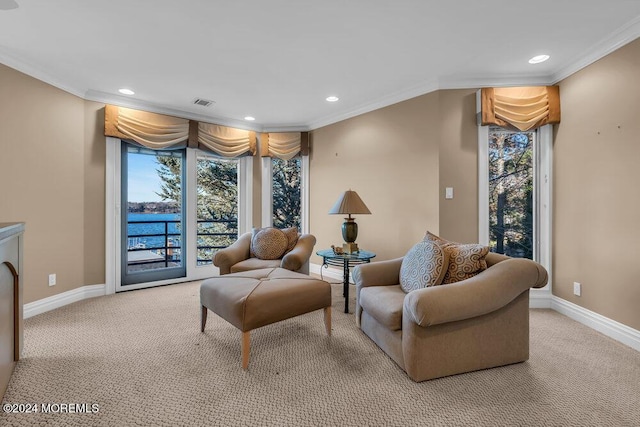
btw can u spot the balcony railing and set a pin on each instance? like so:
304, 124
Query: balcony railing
160, 245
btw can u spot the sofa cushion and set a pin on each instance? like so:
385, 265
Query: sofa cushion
424, 265
383, 303
269, 243
465, 260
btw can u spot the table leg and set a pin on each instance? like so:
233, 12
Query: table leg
346, 286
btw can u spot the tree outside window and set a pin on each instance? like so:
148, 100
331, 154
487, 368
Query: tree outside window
511, 192
217, 201
287, 191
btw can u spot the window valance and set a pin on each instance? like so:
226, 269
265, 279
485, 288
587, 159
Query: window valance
151, 130
160, 132
284, 145
225, 141
522, 108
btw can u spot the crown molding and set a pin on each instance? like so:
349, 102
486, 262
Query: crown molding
393, 98
285, 128
622, 36
469, 82
32, 71
122, 101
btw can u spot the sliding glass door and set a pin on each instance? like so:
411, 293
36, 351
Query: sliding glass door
153, 215
173, 210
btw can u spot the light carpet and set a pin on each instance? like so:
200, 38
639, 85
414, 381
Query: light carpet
141, 358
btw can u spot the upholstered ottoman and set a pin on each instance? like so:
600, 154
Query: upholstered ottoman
251, 299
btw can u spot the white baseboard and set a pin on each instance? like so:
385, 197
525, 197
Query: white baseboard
60, 300
540, 298
604, 325
330, 272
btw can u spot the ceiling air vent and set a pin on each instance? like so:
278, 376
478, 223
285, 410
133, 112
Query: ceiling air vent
202, 102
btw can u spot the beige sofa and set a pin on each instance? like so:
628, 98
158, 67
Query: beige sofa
481, 322
237, 257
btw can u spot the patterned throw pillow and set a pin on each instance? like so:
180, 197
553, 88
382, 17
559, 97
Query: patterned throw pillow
292, 237
268, 243
424, 265
465, 260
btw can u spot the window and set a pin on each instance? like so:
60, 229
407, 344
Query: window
514, 192
217, 205
511, 192
285, 198
287, 192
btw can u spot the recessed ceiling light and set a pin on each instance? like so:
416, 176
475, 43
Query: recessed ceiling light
8, 4
125, 91
332, 98
249, 118
538, 59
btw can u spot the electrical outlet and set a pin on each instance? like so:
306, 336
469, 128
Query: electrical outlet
577, 289
52, 279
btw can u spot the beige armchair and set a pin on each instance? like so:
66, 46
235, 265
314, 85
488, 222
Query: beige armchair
477, 323
237, 257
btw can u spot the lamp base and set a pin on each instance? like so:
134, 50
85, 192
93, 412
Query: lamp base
349, 248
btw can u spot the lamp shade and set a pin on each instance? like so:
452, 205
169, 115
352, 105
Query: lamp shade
349, 203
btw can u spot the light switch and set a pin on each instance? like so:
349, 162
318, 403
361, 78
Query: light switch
448, 193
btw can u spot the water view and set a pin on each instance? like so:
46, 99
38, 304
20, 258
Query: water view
143, 234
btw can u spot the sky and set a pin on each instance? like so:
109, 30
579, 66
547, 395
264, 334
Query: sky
143, 178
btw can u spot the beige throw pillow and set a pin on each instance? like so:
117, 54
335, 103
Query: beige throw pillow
268, 243
465, 260
292, 237
424, 265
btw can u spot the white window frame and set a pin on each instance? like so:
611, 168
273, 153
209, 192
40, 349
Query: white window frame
245, 185
543, 164
113, 215
267, 193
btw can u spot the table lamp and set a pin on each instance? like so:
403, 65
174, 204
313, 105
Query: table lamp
349, 203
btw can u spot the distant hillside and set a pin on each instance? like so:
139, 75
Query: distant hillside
153, 207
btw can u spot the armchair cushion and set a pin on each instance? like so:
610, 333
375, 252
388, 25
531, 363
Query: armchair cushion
254, 264
269, 243
465, 260
424, 265
384, 303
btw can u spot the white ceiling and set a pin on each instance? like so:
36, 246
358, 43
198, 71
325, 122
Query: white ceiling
278, 60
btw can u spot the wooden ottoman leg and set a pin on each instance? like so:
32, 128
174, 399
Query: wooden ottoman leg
203, 318
245, 349
327, 319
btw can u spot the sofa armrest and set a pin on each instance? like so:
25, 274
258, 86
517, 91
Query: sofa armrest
488, 291
297, 257
231, 255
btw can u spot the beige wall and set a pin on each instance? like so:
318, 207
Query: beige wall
256, 194
390, 158
458, 160
52, 175
399, 159
596, 196
94, 193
